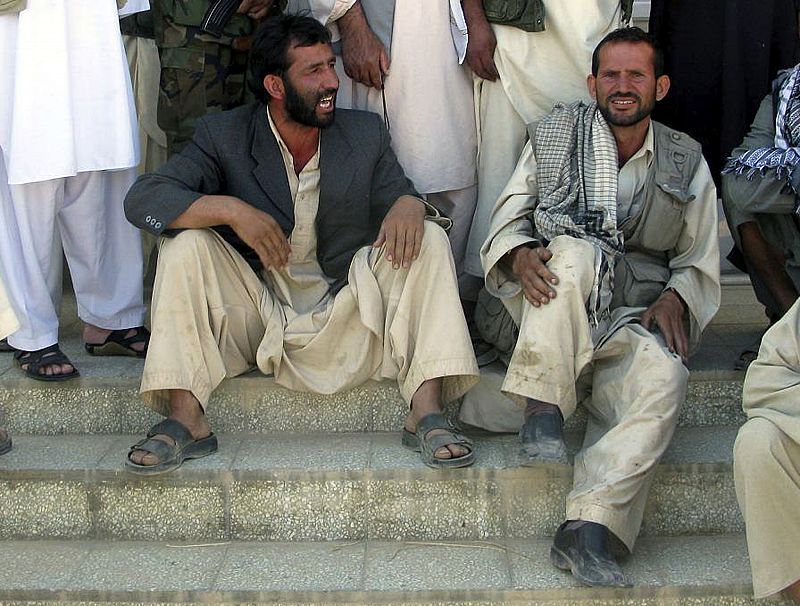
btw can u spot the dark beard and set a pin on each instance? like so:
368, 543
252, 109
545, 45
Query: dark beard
641, 114
302, 112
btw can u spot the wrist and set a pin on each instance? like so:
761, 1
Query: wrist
671, 291
353, 21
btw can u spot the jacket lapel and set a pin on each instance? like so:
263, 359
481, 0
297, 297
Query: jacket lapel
269, 170
336, 171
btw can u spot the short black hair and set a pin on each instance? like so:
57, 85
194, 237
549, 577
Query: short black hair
632, 35
269, 53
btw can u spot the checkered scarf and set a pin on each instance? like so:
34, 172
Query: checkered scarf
577, 191
785, 155
577, 171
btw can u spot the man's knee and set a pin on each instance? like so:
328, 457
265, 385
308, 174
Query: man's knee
434, 241
755, 446
187, 247
573, 262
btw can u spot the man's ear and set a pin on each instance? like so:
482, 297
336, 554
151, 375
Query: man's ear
662, 87
273, 84
591, 84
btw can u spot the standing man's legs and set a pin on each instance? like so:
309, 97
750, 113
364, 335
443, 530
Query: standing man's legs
501, 136
104, 254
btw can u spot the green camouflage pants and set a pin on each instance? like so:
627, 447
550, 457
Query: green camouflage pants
197, 79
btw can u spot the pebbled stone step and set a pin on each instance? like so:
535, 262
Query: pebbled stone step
684, 571
308, 487
105, 398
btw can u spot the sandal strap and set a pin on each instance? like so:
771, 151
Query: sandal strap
140, 335
174, 429
159, 448
437, 420
42, 357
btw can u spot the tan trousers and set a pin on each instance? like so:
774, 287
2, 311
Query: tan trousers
213, 318
631, 386
766, 458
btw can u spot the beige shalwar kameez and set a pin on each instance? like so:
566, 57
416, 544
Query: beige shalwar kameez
623, 374
403, 324
766, 458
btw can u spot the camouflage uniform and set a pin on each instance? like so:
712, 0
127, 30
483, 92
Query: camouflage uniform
200, 74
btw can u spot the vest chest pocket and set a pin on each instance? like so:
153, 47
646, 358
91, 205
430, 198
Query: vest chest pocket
501, 11
661, 222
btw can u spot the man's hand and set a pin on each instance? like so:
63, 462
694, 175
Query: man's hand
401, 231
364, 58
480, 49
481, 44
666, 314
262, 233
529, 265
255, 9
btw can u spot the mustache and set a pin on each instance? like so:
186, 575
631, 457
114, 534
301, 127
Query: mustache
624, 96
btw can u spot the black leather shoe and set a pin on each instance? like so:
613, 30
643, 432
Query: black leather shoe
542, 439
585, 552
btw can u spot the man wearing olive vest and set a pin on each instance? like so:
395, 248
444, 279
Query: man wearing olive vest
603, 248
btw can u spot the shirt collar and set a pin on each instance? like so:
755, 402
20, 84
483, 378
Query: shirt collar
646, 151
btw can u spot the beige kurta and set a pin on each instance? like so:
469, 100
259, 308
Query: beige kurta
767, 458
401, 324
537, 70
625, 377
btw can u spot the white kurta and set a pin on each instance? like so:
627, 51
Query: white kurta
428, 95
68, 152
66, 104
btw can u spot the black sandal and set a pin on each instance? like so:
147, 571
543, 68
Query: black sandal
170, 456
117, 344
36, 360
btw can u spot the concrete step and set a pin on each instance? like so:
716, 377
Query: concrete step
105, 398
701, 571
295, 487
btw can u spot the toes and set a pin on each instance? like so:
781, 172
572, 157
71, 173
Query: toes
444, 453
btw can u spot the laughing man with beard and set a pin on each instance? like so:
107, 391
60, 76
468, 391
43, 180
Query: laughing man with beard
293, 242
603, 248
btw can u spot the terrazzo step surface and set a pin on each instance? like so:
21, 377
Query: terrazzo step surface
303, 487
684, 571
105, 398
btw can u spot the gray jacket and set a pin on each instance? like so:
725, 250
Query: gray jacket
235, 153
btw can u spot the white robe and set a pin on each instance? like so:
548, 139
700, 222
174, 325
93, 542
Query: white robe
428, 93
66, 104
68, 152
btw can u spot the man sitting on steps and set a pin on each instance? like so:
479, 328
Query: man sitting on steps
603, 247
320, 268
760, 186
